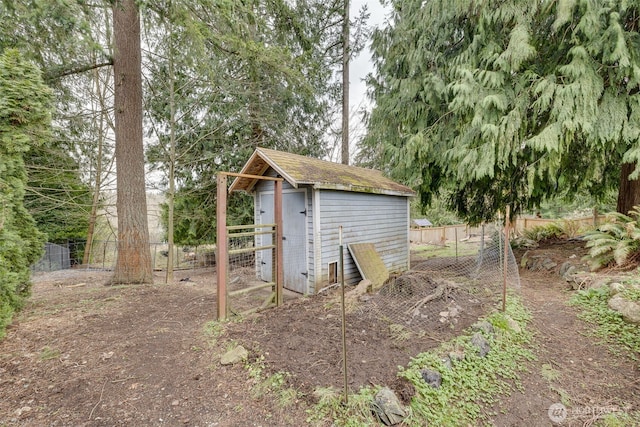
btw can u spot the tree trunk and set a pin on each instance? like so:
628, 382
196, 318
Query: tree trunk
97, 186
94, 205
171, 194
345, 84
133, 263
629, 192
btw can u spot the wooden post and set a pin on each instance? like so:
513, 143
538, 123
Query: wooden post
277, 214
344, 319
456, 234
505, 263
221, 246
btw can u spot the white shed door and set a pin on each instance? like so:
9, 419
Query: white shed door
294, 244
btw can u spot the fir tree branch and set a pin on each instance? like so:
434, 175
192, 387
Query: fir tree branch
60, 72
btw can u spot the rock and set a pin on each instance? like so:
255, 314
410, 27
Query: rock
548, 264
454, 311
522, 242
363, 287
615, 288
569, 273
365, 298
481, 343
564, 267
388, 408
578, 279
106, 356
629, 310
601, 282
513, 325
456, 356
235, 355
484, 326
447, 363
22, 410
433, 378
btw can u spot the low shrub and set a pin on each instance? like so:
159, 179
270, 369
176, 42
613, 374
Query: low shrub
616, 242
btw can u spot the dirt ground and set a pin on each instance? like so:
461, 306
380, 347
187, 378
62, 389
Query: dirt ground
85, 354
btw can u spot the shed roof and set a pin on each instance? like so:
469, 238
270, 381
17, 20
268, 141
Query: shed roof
422, 222
301, 170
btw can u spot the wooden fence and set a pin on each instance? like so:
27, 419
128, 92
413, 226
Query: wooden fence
522, 224
440, 235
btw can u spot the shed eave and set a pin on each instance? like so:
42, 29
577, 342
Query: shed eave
264, 156
357, 189
248, 184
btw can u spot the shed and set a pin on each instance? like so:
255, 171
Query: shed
422, 223
319, 197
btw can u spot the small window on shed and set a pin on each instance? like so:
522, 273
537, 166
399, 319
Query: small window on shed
333, 272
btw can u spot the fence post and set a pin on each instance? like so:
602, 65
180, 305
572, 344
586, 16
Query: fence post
221, 246
277, 214
506, 254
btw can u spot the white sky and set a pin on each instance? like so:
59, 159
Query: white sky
361, 65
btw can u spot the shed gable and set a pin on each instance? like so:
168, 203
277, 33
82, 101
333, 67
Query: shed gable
301, 170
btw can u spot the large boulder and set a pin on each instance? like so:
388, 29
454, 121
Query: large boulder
630, 310
235, 355
388, 408
615, 288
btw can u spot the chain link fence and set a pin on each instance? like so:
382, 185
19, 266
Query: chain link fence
250, 284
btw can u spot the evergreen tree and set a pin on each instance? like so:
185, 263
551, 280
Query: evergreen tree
57, 36
508, 103
228, 77
25, 119
133, 264
56, 197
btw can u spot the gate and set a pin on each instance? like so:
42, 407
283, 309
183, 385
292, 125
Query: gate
272, 244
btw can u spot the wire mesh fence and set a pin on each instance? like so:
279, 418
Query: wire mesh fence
250, 282
442, 290
55, 257
102, 255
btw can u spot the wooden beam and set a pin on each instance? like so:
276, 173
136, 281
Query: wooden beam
244, 175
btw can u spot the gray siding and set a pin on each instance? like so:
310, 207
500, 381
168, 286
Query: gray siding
379, 219
310, 247
382, 220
